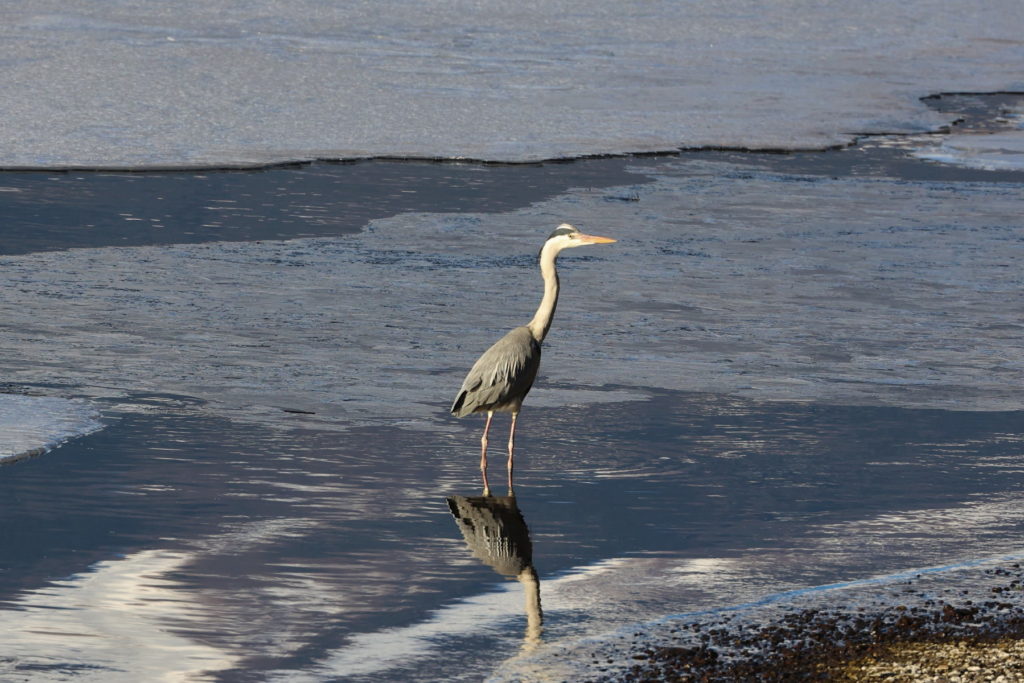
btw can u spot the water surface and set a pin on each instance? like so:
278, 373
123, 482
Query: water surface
315, 555
791, 371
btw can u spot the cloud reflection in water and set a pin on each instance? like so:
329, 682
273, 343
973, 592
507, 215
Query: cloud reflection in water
110, 624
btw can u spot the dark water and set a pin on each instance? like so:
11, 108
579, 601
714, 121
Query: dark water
62, 210
304, 540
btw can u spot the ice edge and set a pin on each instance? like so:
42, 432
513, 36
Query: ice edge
852, 140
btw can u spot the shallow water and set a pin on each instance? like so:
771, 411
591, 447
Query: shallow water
315, 555
50, 210
792, 370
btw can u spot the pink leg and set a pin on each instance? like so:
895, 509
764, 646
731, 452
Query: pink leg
483, 453
511, 448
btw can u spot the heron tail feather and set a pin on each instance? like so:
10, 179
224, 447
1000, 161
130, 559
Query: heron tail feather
457, 406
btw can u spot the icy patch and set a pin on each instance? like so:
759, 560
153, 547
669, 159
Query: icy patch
33, 424
139, 84
989, 152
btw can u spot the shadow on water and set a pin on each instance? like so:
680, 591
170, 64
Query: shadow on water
497, 535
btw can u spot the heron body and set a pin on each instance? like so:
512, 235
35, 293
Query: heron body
502, 377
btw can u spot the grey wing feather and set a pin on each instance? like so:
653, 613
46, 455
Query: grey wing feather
502, 376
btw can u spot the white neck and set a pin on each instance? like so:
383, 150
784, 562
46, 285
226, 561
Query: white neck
541, 322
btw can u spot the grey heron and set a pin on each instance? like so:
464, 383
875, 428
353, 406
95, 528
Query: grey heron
503, 375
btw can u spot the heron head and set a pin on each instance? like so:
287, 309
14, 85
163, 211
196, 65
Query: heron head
566, 236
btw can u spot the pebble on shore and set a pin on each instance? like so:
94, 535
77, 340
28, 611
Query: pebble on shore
960, 628
999, 661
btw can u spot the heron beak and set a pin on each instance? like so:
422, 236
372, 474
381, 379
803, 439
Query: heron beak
594, 239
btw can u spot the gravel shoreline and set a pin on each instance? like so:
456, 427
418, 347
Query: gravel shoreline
925, 628
1000, 661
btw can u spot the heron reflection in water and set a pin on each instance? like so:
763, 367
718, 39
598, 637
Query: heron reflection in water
497, 535
503, 375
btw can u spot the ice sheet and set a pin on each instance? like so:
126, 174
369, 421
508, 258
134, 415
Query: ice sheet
33, 424
135, 84
991, 152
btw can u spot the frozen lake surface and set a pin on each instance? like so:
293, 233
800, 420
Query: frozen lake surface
133, 84
30, 425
